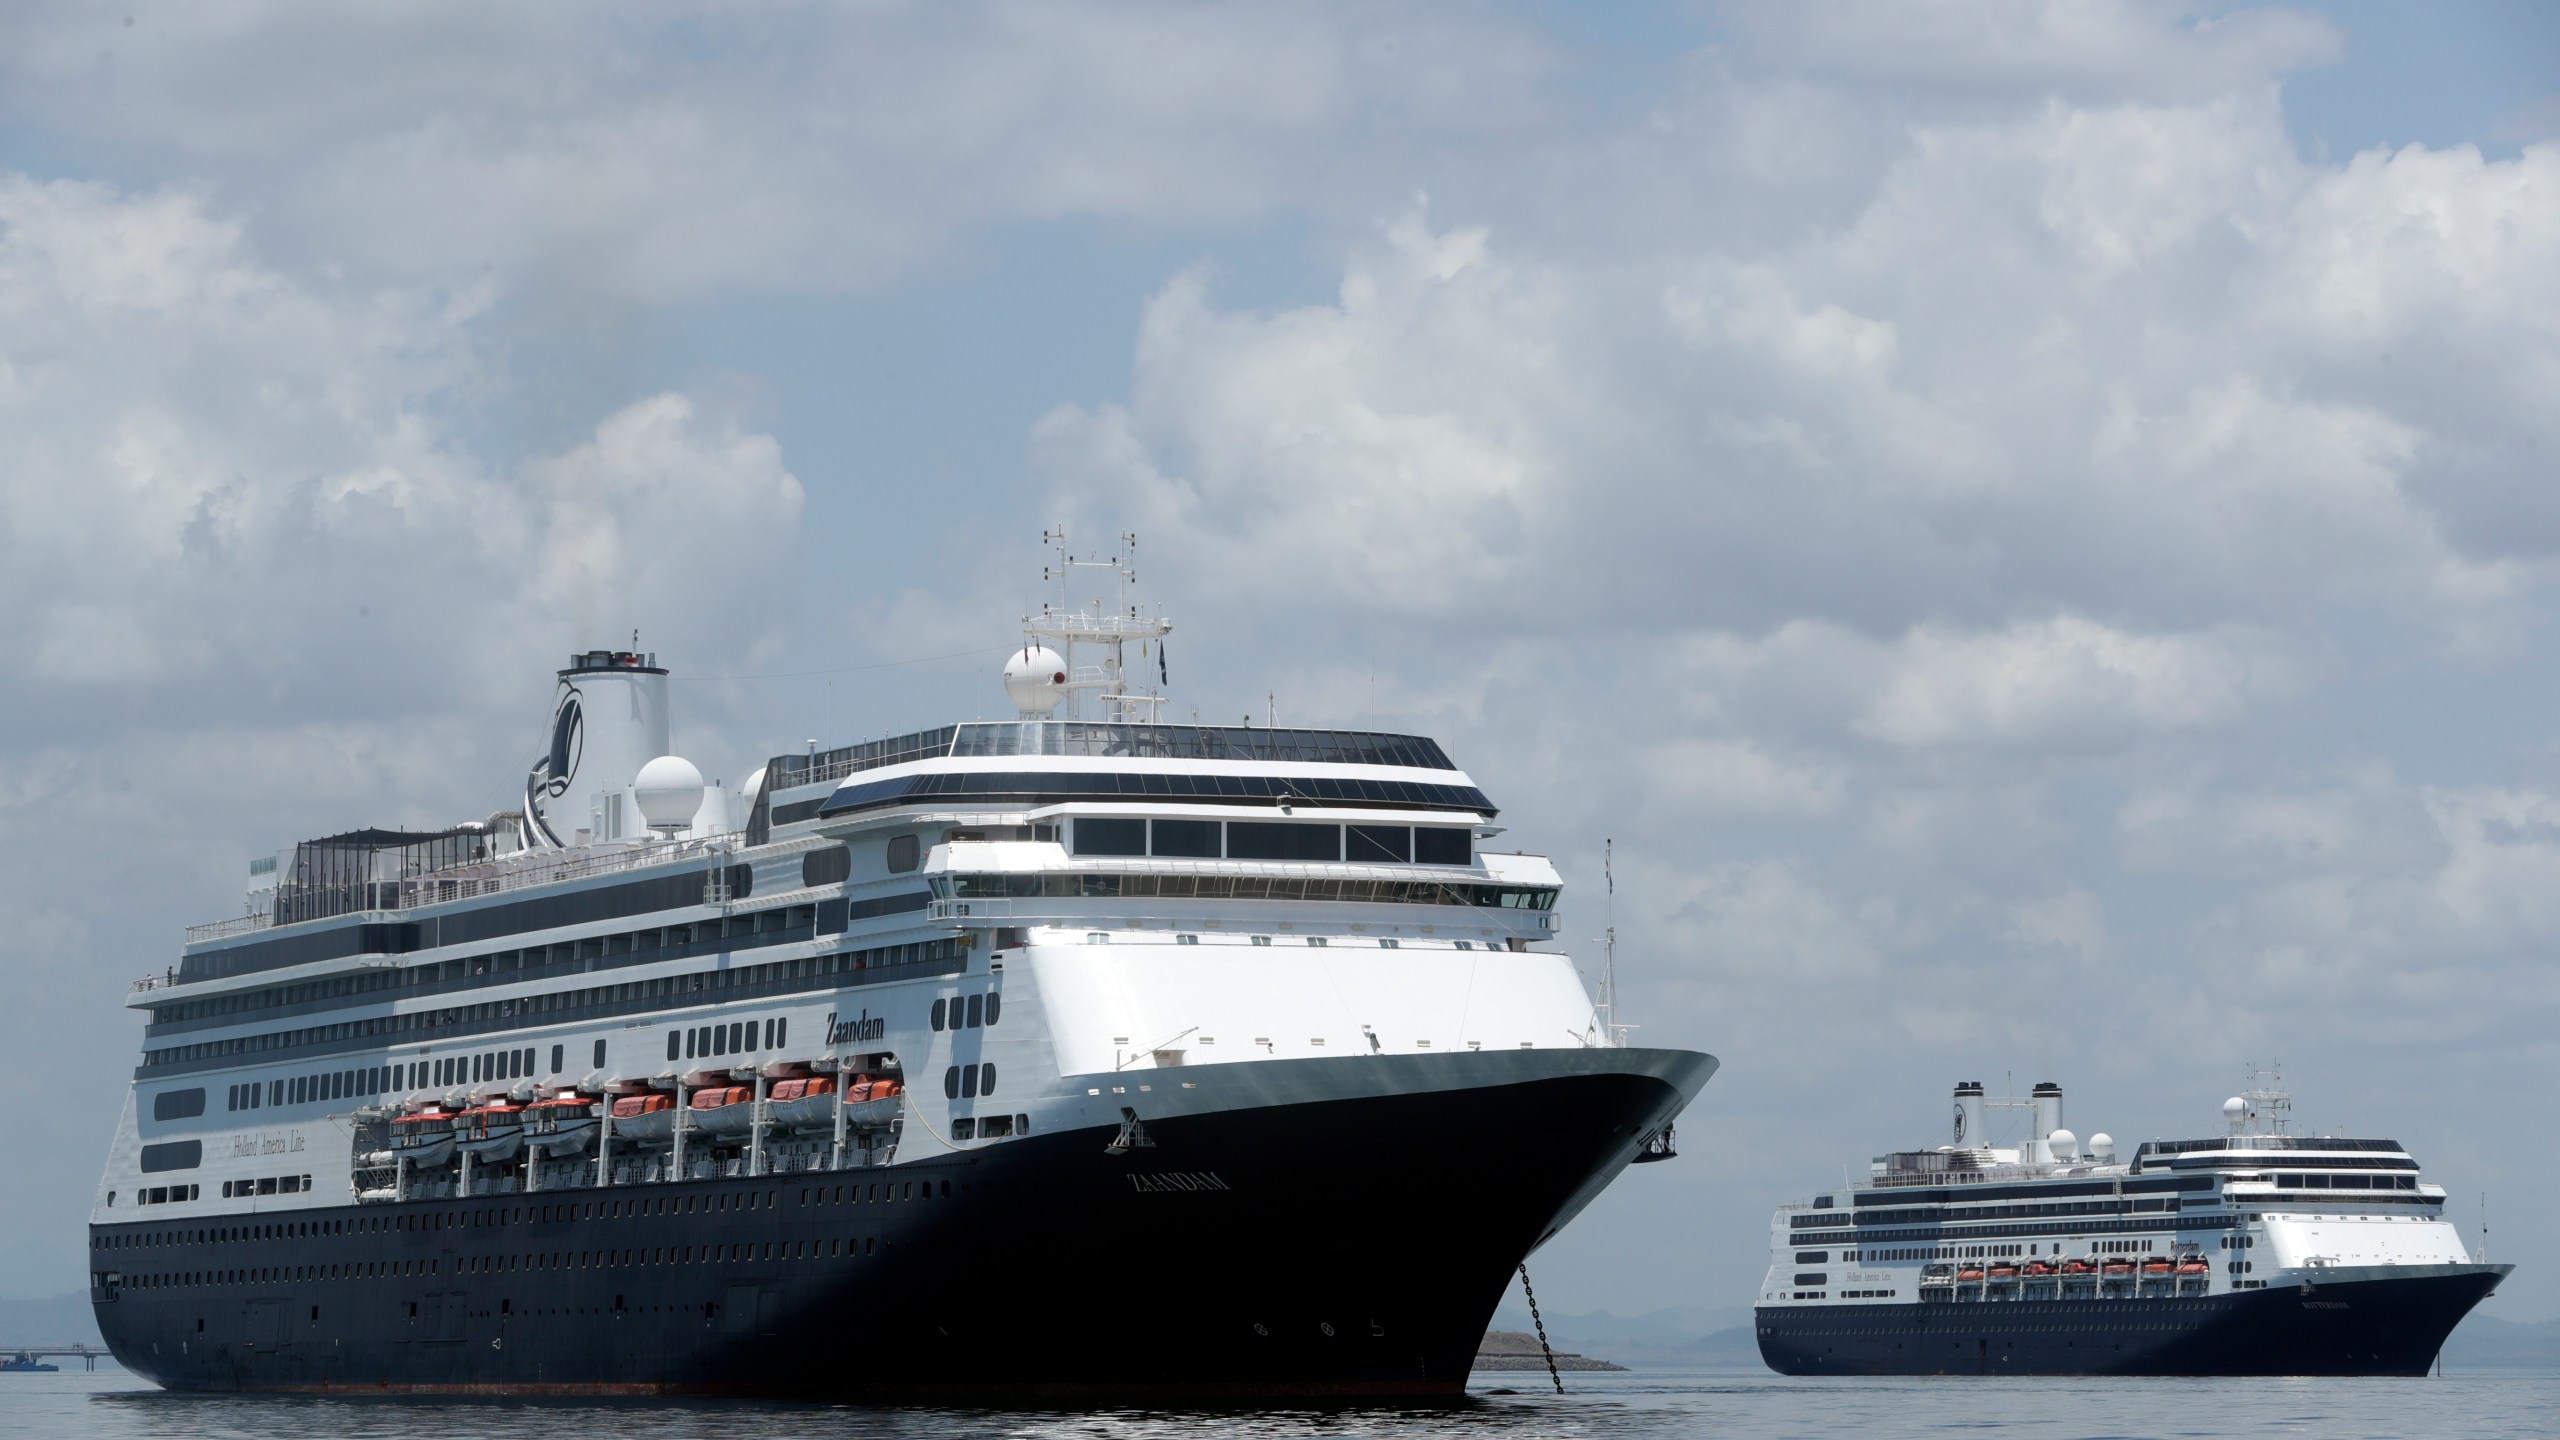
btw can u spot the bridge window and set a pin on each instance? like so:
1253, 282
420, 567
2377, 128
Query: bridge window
1099, 835
1187, 838
1280, 840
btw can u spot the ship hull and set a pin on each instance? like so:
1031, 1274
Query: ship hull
1353, 1246
2372, 1322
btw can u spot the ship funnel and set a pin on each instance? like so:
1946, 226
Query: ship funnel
2048, 1103
1968, 1125
608, 719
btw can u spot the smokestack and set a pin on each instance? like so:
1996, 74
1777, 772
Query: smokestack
2048, 1100
608, 718
1968, 1124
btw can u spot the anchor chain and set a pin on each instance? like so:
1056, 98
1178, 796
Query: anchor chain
1535, 1319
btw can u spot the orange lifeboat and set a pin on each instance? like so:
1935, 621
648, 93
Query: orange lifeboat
1969, 1273
644, 1117
723, 1109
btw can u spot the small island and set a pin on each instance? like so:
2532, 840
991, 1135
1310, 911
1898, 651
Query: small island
1518, 1350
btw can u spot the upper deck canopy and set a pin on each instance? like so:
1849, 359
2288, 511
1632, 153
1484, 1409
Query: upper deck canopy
1110, 739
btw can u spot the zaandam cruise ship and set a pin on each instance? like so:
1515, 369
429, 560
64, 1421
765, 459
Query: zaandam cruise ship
1075, 1053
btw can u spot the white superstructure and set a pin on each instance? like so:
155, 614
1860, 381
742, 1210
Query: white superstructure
905, 948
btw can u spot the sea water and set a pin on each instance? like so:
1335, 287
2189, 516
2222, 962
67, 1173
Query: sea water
111, 1405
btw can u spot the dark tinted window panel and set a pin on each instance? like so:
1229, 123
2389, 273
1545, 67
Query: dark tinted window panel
796, 811
889, 905
172, 1155
177, 1104
1442, 845
903, 854
1096, 836
831, 866
1192, 838
1282, 840
1378, 842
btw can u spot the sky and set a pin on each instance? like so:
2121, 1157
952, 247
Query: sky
2029, 525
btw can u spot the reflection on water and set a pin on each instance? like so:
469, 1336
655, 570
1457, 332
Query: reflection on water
1637, 1406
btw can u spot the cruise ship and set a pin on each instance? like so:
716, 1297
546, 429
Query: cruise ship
2255, 1252
1072, 1054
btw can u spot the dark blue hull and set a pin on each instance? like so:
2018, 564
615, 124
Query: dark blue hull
2362, 1327
1350, 1247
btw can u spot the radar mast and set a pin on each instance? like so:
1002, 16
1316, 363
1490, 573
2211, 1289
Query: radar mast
1050, 674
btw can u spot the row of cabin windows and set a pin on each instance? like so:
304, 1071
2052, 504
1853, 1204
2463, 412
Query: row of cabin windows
892, 1192
761, 927
1274, 840
165, 1194
739, 1037
967, 1012
936, 957
990, 1127
2347, 1182
968, 1082
1019, 886
845, 1247
265, 1185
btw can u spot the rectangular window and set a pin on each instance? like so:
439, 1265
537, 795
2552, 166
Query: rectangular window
1280, 840
1442, 845
177, 1104
1374, 843
1096, 835
964, 1128
1195, 839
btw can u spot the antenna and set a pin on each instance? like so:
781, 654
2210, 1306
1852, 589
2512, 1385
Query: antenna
1041, 679
1609, 945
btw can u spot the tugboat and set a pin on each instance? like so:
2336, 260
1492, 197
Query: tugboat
24, 1363
922, 1065
2255, 1252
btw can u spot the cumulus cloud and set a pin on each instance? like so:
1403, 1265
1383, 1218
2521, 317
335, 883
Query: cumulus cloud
649, 152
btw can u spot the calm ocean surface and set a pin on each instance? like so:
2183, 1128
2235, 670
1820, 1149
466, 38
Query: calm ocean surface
1607, 1407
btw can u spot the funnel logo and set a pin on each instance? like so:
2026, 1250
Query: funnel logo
550, 776
1959, 1124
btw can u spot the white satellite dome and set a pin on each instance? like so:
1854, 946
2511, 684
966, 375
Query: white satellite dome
669, 790
2063, 1144
754, 786
2102, 1147
2234, 1108
1035, 679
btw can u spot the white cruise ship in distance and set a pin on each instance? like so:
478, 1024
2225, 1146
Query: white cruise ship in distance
2254, 1252
889, 1071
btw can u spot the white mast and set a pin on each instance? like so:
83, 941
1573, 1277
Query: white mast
1047, 673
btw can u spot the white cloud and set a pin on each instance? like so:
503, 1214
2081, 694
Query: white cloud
1735, 778
2065, 681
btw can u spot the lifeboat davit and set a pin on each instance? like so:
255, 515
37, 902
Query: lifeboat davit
424, 1139
644, 1117
490, 1133
562, 1125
